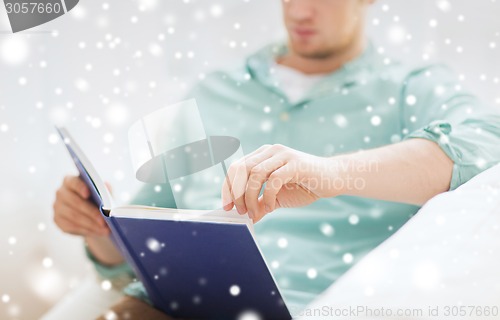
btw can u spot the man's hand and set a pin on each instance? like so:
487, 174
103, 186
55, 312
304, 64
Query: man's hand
293, 179
411, 171
133, 309
74, 213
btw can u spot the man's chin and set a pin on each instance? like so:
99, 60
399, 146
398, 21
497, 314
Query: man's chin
311, 52
319, 55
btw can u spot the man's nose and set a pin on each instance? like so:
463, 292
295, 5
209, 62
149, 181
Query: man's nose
299, 9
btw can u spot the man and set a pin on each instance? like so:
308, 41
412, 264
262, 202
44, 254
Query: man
301, 111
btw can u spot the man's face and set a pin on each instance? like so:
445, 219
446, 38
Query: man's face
319, 28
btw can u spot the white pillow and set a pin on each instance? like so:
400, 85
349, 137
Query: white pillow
446, 257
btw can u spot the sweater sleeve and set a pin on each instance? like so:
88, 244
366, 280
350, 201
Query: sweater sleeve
434, 106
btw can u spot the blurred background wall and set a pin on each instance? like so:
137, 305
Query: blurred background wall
106, 63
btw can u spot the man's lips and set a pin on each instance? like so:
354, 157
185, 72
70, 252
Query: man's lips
303, 32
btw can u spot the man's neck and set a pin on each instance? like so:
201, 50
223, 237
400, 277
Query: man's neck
324, 65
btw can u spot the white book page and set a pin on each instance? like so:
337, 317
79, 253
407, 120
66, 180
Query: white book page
156, 213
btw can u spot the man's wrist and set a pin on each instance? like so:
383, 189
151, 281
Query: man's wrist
346, 175
103, 250
331, 177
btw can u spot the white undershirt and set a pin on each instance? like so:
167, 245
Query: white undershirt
293, 83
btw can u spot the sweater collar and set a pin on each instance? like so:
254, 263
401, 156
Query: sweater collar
260, 66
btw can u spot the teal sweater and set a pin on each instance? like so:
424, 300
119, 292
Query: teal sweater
365, 104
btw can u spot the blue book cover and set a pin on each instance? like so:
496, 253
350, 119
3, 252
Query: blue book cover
194, 264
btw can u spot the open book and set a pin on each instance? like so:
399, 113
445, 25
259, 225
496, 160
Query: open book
194, 264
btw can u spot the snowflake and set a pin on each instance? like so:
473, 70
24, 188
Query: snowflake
234, 290
14, 50
444, 5
196, 299
12, 240
153, 245
216, 11
353, 219
327, 229
282, 243
347, 258
106, 285
312, 273
110, 315
376, 121
5, 298
340, 121
411, 100
47, 262
249, 315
